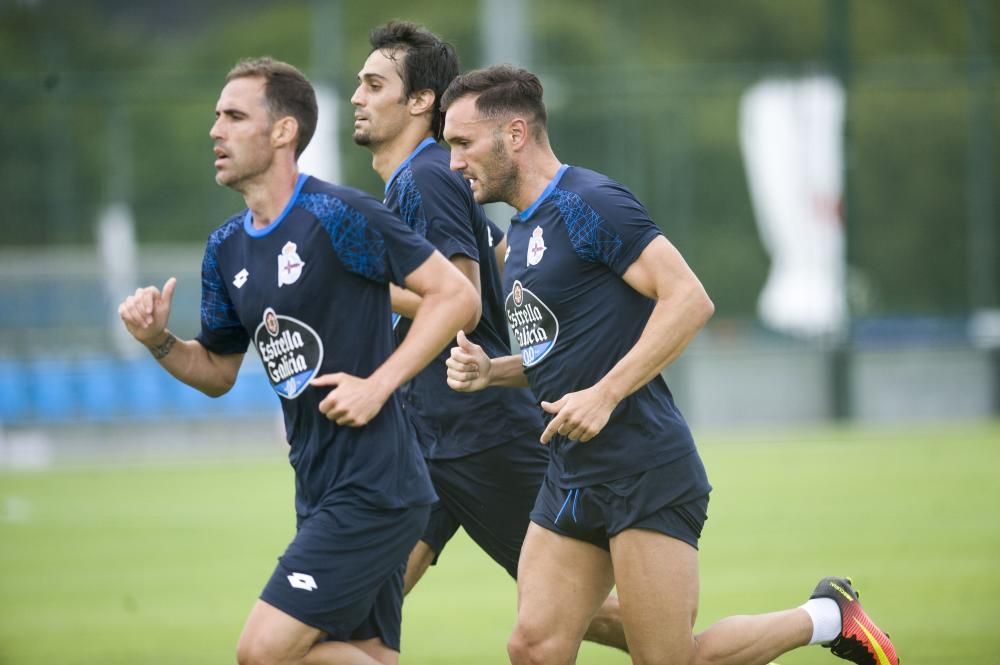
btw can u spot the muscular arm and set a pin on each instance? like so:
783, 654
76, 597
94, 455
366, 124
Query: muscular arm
190, 362
447, 301
145, 315
406, 302
682, 308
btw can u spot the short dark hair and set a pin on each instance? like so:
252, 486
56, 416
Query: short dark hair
287, 91
430, 63
500, 91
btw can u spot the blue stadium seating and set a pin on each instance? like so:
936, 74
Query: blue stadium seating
52, 389
101, 388
15, 401
104, 389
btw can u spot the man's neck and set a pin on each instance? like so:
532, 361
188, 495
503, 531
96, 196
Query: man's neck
268, 195
537, 171
387, 156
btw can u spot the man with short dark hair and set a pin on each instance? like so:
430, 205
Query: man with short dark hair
600, 303
303, 274
481, 448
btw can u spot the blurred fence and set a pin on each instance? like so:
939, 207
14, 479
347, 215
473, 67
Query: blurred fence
920, 209
751, 381
103, 389
60, 362
921, 220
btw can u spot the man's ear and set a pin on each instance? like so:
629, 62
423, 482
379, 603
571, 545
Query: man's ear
285, 131
517, 130
422, 101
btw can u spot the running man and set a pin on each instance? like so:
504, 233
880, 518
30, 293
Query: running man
600, 303
303, 275
482, 448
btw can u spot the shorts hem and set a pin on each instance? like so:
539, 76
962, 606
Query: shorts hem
298, 616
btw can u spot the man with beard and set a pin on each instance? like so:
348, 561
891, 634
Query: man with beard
303, 274
482, 449
600, 303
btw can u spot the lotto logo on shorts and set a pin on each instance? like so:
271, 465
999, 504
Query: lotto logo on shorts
302, 581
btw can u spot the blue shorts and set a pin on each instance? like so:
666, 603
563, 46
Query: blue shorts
671, 499
343, 571
489, 494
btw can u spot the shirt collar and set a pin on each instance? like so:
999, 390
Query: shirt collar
523, 217
406, 162
248, 217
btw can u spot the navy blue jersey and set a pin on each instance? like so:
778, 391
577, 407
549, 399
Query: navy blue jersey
494, 233
310, 293
574, 318
437, 203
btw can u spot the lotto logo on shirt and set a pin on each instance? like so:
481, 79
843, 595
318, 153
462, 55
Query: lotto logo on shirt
535, 326
290, 350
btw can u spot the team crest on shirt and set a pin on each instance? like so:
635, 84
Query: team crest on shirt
535, 326
291, 351
289, 264
536, 247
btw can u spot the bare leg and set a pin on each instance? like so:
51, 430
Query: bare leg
753, 639
606, 626
658, 588
561, 584
271, 637
420, 560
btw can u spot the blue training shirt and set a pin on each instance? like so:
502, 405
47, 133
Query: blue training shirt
437, 203
574, 318
310, 293
494, 234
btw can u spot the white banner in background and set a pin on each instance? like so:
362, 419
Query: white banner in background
791, 132
321, 157
118, 253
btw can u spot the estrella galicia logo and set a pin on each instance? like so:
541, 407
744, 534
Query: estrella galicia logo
535, 326
290, 350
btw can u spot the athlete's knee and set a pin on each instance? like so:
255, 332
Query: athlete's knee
247, 654
253, 650
608, 632
531, 646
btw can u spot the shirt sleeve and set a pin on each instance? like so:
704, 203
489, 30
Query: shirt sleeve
446, 203
222, 332
621, 230
496, 233
390, 250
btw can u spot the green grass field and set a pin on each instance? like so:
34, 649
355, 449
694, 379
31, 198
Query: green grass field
160, 564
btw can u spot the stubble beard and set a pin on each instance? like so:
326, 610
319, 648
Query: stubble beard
362, 138
504, 177
238, 180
